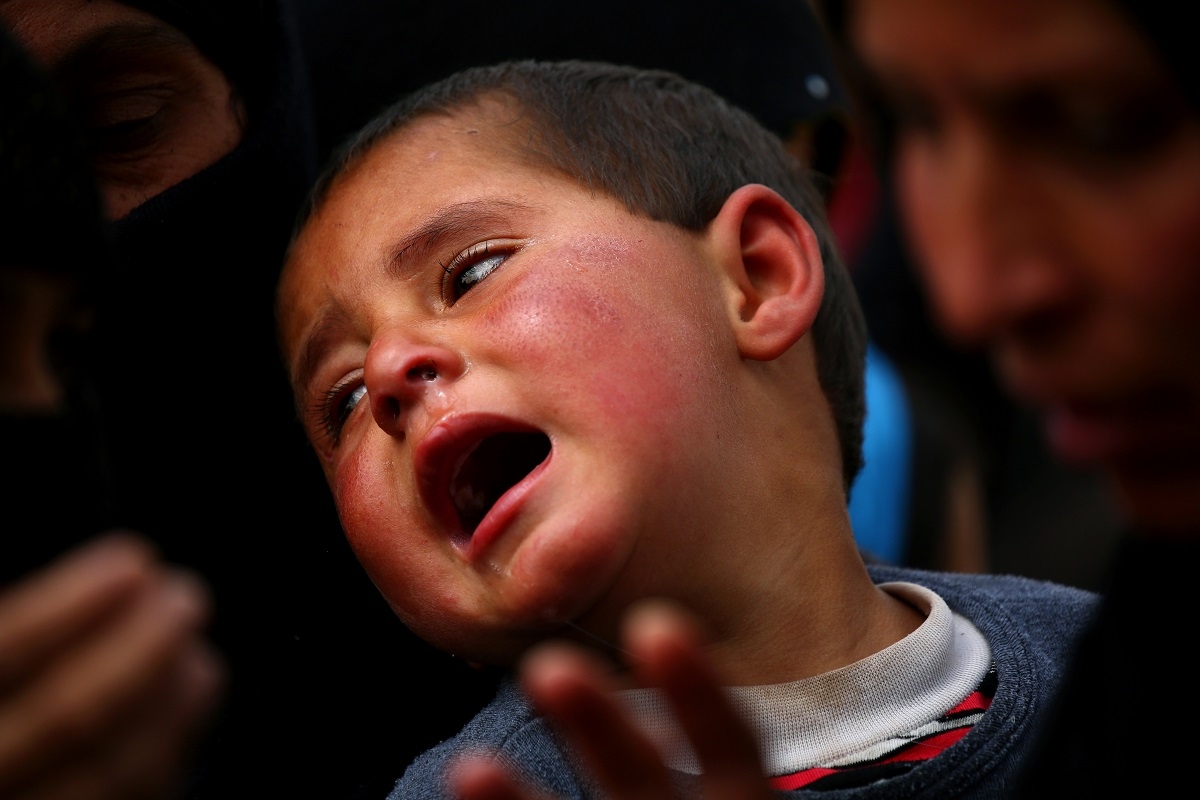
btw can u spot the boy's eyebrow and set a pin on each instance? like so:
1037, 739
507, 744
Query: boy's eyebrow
450, 221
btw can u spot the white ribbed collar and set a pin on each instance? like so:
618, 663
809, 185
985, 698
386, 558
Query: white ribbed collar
820, 721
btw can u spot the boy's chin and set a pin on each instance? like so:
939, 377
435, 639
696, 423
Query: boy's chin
495, 646
482, 650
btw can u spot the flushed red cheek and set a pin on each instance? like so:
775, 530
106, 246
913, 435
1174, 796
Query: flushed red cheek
363, 495
587, 325
561, 299
380, 532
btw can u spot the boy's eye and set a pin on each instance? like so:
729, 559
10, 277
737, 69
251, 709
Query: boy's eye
470, 267
337, 404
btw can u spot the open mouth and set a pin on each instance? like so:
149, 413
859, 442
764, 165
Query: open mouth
493, 467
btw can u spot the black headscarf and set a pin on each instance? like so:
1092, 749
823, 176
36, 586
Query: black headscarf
54, 487
46, 183
191, 386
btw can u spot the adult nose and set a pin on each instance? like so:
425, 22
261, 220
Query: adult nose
982, 217
402, 373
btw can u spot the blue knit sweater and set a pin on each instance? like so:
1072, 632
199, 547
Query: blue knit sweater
1030, 626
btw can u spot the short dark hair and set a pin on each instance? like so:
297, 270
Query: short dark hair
669, 149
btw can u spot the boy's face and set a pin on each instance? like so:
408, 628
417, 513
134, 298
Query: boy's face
1048, 171
516, 388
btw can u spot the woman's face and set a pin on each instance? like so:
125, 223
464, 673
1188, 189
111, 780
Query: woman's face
1048, 173
154, 109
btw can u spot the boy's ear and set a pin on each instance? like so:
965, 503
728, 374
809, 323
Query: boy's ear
773, 268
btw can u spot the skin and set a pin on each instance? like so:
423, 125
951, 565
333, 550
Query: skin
36, 307
651, 358
105, 675
155, 109
1048, 174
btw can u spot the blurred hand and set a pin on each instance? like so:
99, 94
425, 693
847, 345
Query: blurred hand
574, 690
106, 679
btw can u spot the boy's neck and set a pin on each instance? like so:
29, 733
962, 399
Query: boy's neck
808, 621
784, 588
784, 595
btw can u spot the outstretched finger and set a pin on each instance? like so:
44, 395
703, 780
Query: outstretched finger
575, 691
668, 649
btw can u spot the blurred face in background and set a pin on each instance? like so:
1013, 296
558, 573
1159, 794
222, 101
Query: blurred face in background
1048, 173
155, 109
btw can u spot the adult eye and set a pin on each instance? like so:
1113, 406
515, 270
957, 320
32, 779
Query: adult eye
1125, 127
905, 111
1113, 129
120, 125
154, 110
128, 86
467, 269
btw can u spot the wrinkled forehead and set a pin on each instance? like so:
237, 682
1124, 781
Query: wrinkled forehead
490, 131
52, 29
451, 153
456, 152
493, 124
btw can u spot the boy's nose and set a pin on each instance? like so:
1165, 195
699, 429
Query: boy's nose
401, 374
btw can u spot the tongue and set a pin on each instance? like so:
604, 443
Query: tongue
471, 503
495, 465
